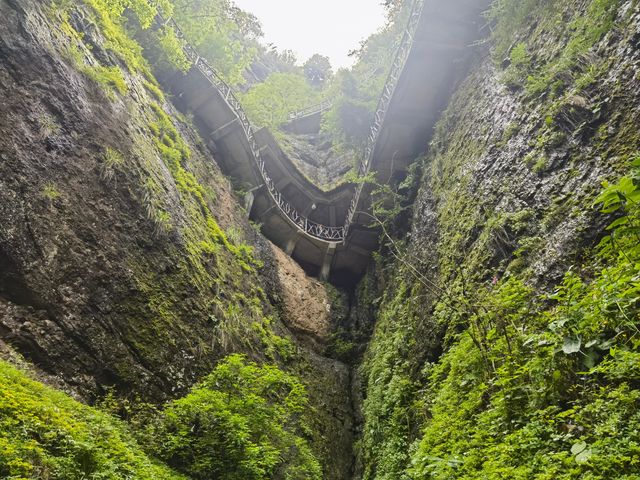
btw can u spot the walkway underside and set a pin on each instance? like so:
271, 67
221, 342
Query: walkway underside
292, 211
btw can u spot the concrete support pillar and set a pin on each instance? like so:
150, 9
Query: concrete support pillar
250, 197
248, 202
326, 263
290, 246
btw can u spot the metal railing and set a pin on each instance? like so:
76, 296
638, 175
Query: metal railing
316, 230
383, 105
311, 110
313, 229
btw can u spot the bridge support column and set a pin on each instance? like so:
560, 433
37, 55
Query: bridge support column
290, 246
248, 202
249, 198
326, 263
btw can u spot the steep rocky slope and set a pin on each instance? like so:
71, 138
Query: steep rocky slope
465, 377
125, 259
315, 156
496, 328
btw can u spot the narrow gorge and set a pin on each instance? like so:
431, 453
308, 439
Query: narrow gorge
218, 263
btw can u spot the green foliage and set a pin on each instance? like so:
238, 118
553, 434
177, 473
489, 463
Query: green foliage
50, 191
174, 151
532, 390
540, 164
112, 161
389, 407
222, 33
48, 125
110, 77
519, 55
520, 63
555, 72
520, 386
340, 347
171, 49
349, 119
155, 91
510, 17
240, 422
317, 69
269, 103
109, 17
213, 267
511, 131
355, 92
46, 434
113, 157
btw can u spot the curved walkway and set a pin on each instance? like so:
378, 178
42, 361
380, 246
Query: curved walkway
328, 231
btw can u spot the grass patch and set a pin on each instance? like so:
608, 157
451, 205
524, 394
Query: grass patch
50, 191
46, 434
108, 76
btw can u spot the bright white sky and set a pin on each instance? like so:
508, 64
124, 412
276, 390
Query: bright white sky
329, 27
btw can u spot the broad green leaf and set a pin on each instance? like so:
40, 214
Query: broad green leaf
590, 359
584, 456
579, 447
557, 324
616, 223
571, 345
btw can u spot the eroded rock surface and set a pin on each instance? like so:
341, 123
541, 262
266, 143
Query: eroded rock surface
110, 275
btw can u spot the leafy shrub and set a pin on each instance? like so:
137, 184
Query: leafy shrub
50, 191
355, 92
222, 33
554, 74
46, 434
241, 422
530, 390
109, 76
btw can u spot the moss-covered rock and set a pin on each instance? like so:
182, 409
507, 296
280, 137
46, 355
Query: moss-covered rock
501, 215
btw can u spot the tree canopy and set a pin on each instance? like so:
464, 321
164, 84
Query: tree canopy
221, 32
269, 103
317, 70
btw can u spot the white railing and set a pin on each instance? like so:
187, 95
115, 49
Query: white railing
316, 230
313, 229
312, 110
383, 105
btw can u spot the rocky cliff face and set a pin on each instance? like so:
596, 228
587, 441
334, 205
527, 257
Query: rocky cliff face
314, 155
91, 216
125, 259
506, 195
127, 264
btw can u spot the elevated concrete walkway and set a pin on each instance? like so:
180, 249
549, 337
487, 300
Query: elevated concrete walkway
328, 233
308, 120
